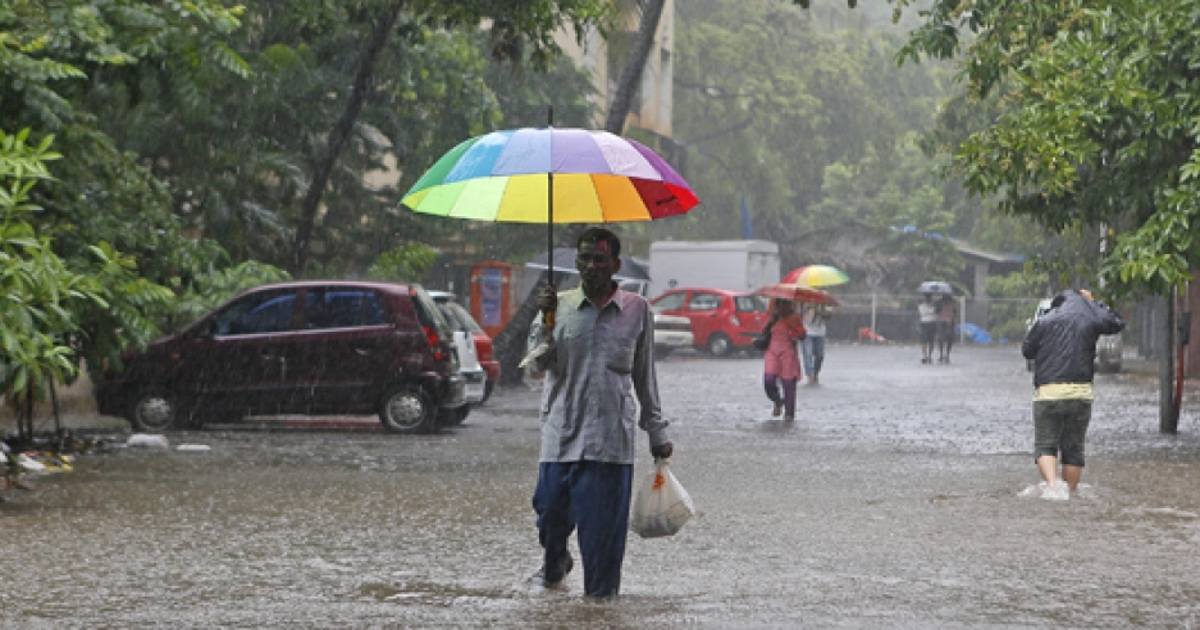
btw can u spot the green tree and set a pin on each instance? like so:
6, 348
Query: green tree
1097, 128
1096, 133
513, 27
403, 264
1016, 296
273, 165
817, 128
103, 207
47, 300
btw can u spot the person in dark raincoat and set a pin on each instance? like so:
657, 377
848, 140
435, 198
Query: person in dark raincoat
1062, 344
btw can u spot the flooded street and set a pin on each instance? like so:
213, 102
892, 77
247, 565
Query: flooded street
891, 502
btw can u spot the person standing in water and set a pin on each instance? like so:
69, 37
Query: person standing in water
600, 387
1062, 344
781, 363
947, 317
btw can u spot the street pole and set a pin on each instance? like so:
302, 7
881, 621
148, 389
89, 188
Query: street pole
1168, 413
873, 311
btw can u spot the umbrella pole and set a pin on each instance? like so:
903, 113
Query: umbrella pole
550, 224
549, 317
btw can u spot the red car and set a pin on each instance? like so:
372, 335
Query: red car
722, 320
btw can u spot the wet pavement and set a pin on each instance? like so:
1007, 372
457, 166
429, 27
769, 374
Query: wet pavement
891, 502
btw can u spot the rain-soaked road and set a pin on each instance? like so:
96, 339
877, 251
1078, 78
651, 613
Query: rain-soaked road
890, 503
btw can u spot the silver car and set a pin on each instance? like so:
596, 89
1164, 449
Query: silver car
671, 332
474, 376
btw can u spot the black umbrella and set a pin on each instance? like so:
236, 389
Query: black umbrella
564, 262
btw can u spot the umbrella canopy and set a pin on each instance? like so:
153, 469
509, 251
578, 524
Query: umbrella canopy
796, 293
550, 175
935, 288
817, 276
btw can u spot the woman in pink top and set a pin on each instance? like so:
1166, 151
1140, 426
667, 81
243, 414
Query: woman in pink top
782, 362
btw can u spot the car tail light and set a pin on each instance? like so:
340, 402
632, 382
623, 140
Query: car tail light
435, 343
483, 347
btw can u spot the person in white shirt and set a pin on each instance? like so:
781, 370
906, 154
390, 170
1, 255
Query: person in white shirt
813, 346
927, 314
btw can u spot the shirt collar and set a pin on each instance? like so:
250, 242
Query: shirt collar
619, 298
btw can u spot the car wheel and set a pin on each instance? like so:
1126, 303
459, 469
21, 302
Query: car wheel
407, 409
153, 410
719, 345
487, 391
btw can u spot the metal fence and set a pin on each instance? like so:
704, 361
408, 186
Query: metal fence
894, 317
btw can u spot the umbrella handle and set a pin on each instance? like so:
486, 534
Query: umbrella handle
548, 313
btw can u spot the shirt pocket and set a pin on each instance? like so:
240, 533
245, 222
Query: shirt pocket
619, 355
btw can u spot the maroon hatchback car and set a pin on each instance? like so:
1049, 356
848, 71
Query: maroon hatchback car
722, 320
316, 348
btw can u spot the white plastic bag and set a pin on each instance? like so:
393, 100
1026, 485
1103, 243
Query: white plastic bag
148, 439
661, 506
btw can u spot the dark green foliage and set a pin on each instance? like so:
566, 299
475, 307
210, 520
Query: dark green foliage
1094, 131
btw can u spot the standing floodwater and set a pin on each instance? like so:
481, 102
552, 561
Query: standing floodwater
891, 502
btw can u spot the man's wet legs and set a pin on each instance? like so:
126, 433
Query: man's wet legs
600, 499
551, 502
594, 496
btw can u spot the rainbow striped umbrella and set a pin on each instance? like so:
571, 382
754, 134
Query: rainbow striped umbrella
551, 175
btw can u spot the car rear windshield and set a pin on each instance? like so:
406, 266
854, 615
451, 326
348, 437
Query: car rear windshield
459, 318
428, 312
750, 303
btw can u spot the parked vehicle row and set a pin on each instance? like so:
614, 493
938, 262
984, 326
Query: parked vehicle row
414, 357
318, 347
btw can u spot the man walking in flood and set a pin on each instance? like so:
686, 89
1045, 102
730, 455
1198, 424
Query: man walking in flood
1062, 344
598, 362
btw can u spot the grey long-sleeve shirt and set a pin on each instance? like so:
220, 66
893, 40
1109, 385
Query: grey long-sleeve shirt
600, 377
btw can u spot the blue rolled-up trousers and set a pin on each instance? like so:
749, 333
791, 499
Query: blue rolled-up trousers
593, 497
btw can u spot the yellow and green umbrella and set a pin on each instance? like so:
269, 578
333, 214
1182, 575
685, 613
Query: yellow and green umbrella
817, 276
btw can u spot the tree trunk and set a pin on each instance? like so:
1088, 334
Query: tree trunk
510, 344
631, 76
338, 136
